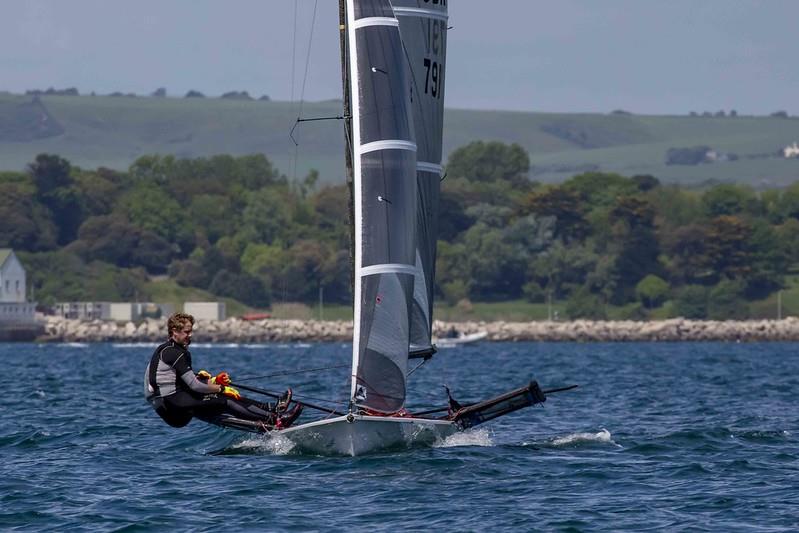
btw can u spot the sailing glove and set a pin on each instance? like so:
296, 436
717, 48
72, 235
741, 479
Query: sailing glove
230, 391
223, 378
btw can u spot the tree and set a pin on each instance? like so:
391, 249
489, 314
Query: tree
728, 246
494, 269
267, 214
50, 173
241, 286
652, 291
728, 199
55, 189
689, 255
489, 161
725, 301
24, 223
584, 304
635, 245
560, 268
691, 302
565, 206
212, 214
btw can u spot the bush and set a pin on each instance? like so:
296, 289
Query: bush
454, 291
533, 292
584, 304
725, 301
691, 302
652, 291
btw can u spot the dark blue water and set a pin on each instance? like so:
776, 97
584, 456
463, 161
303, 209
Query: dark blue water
658, 436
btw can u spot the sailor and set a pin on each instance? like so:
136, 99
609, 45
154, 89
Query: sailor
178, 394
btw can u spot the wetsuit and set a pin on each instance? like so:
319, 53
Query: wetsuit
176, 394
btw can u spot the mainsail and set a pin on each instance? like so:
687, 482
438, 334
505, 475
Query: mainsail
385, 198
423, 26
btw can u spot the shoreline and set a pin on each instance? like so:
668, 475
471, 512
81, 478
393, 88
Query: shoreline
234, 330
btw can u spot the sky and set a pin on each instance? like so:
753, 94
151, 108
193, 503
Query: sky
643, 56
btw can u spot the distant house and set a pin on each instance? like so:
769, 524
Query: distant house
205, 310
14, 305
117, 311
83, 310
791, 151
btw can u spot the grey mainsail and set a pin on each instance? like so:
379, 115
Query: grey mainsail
385, 198
423, 26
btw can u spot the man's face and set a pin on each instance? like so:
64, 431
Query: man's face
182, 335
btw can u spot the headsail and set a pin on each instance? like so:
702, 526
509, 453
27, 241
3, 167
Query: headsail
423, 25
385, 196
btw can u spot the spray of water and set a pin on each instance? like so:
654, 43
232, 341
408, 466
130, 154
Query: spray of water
474, 437
602, 436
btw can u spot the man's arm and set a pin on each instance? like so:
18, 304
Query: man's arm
196, 385
183, 369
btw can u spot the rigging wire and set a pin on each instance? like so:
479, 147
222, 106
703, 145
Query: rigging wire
304, 80
301, 371
417, 367
293, 75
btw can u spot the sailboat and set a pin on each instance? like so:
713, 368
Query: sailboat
393, 59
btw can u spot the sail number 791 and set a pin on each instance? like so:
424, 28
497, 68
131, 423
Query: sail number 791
434, 78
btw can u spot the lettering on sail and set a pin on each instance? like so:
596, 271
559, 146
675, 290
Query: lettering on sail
433, 63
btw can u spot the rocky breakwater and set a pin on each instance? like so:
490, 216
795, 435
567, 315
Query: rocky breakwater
673, 330
230, 330
275, 330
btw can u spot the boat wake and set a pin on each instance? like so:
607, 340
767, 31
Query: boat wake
602, 437
475, 437
273, 444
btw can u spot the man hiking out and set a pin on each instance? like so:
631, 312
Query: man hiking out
178, 394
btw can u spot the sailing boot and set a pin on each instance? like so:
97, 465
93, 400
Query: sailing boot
283, 402
286, 420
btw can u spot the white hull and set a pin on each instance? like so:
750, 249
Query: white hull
359, 434
446, 342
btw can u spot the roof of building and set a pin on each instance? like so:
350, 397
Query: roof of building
5, 253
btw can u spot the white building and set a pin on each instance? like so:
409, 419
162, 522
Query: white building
118, 311
83, 310
14, 307
205, 310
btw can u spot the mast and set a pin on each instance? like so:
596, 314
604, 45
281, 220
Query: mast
347, 109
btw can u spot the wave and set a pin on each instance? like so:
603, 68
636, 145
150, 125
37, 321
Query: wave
474, 437
270, 444
603, 437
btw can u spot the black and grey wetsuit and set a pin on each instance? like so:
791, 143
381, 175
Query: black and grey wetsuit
176, 394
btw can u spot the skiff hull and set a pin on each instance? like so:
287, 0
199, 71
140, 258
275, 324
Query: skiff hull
451, 342
360, 434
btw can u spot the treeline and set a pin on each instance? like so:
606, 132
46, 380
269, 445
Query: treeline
238, 228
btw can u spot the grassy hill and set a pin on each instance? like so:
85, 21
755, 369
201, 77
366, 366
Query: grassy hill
92, 131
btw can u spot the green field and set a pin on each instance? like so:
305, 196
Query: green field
114, 131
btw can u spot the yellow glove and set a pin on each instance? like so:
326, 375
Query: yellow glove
230, 391
203, 375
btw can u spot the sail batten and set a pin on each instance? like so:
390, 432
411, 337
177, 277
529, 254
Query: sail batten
387, 144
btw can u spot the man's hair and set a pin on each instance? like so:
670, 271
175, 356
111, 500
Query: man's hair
177, 321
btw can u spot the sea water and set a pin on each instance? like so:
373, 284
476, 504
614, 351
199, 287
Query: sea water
698, 436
